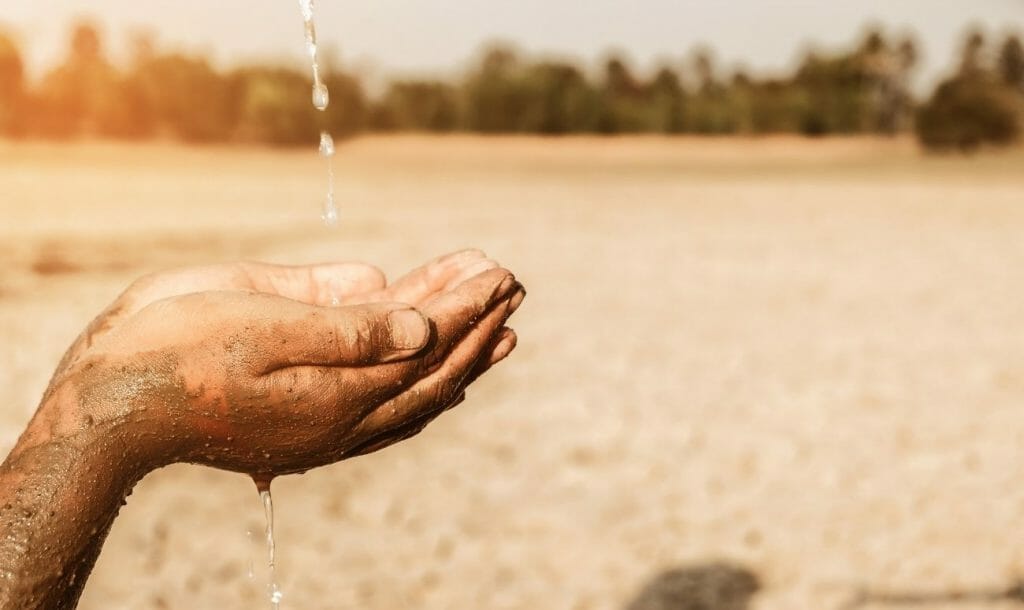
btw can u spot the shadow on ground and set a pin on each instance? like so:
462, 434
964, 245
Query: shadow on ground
1014, 592
712, 586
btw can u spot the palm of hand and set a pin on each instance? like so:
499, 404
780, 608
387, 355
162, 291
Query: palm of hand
274, 414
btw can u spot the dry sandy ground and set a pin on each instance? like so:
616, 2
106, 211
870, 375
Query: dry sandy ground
802, 363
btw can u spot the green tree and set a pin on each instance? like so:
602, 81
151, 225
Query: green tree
422, 106
12, 83
837, 94
622, 100
127, 111
669, 102
73, 97
1011, 62
349, 109
712, 109
969, 111
558, 100
972, 58
269, 105
189, 99
493, 92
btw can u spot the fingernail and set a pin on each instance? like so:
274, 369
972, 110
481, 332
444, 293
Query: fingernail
516, 300
409, 329
503, 348
478, 267
463, 257
503, 288
470, 253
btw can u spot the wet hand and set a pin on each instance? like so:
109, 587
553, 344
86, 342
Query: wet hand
248, 368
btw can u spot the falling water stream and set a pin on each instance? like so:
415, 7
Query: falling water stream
268, 511
273, 590
321, 99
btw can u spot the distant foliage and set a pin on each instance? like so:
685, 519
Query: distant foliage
419, 106
12, 84
982, 105
1011, 63
968, 112
864, 90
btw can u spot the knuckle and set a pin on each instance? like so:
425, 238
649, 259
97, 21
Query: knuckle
361, 337
445, 392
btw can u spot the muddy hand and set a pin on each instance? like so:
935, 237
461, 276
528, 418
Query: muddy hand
258, 376
347, 283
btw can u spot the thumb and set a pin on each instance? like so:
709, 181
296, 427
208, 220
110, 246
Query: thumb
372, 333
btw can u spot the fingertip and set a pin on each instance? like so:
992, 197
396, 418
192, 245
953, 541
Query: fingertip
518, 294
506, 282
467, 254
457, 259
471, 271
409, 330
506, 343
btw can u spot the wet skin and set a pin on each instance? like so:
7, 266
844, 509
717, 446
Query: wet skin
243, 367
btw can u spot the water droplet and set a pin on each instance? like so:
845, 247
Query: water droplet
268, 512
326, 144
321, 97
248, 536
330, 214
311, 46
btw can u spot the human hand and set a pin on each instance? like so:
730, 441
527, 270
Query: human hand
252, 373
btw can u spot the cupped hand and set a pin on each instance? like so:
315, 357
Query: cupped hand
248, 367
329, 284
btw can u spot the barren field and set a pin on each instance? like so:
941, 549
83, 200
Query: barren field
765, 374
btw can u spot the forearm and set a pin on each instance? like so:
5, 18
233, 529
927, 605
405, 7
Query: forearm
59, 495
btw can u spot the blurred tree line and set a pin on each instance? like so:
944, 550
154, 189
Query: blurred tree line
863, 90
982, 104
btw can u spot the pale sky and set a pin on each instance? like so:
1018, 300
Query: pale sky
439, 36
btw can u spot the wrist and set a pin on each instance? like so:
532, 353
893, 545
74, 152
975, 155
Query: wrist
60, 491
117, 440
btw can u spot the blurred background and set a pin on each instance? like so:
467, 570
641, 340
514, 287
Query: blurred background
771, 357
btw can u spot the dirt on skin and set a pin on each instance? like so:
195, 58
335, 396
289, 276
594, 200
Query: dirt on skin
802, 361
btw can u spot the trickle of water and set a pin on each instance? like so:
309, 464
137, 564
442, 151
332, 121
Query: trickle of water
321, 96
248, 537
326, 145
273, 590
311, 46
330, 213
321, 99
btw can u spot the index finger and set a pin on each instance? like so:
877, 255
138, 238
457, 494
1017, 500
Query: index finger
456, 312
438, 275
